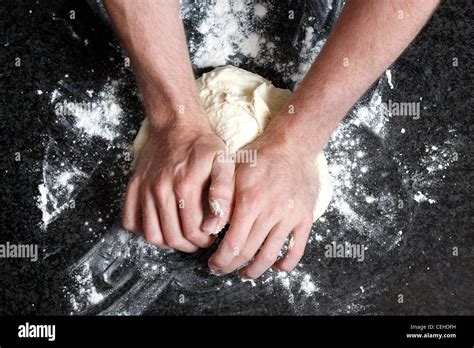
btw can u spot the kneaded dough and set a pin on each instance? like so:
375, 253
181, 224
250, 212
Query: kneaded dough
239, 105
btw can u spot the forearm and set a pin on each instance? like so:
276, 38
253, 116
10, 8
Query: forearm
368, 37
152, 33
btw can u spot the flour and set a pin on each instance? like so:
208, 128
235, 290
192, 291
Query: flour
57, 189
97, 115
439, 158
350, 158
87, 293
310, 51
420, 197
297, 282
388, 74
218, 27
307, 285
231, 33
260, 10
229, 30
251, 45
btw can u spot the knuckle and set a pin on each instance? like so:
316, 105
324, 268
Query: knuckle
269, 257
175, 242
153, 238
184, 182
184, 186
220, 189
275, 210
191, 235
233, 244
247, 255
159, 192
250, 199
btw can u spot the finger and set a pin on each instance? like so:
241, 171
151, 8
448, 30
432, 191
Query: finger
190, 210
132, 215
221, 195
257, 236
169, 220
268, 253
151, 224
243, 218
296, 248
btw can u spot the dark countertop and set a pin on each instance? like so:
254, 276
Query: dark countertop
75, 55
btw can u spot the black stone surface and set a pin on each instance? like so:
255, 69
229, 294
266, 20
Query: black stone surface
422, 268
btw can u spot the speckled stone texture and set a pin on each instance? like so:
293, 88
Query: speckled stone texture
422, 267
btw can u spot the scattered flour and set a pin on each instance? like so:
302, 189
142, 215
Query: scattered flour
86, 293
388, 74
349, 160
228, 32
307, 285
310, 51
57, 189
420, 197
260, 10
229, 35
97, 115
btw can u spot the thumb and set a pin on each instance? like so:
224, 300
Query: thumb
221, 195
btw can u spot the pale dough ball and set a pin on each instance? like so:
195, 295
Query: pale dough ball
239, 105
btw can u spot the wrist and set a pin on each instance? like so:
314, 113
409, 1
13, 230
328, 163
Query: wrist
166, 109
286, 136
182, 118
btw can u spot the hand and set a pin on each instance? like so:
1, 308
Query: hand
164, 196
274, 198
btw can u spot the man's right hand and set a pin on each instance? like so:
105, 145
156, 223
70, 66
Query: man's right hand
164, 196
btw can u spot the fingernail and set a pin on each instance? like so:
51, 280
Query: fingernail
218, 207
210, 226
214, 270
245, 278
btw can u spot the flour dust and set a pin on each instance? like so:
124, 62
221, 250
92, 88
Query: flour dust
123, 275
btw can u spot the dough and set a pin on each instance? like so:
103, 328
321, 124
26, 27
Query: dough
239, 105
